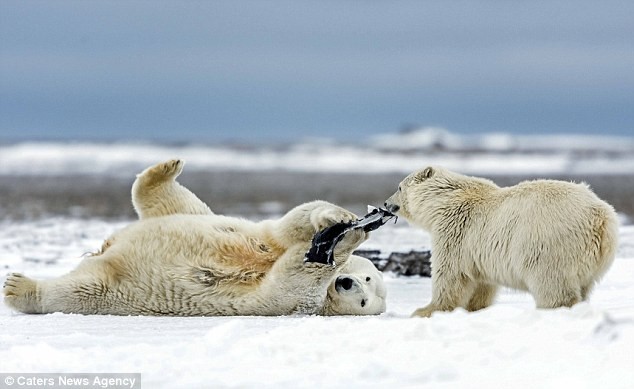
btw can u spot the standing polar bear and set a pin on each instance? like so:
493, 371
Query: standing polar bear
553, 239
181, 259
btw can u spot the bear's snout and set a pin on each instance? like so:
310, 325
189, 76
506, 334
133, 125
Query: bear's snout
391, 207
344, 282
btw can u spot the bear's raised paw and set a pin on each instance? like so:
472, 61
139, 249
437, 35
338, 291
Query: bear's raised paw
163, 171
327, 216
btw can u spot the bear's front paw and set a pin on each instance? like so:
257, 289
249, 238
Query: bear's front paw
327, 216
352, 240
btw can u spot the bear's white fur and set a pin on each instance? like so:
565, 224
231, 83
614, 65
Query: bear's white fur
358, 289
182, 259
553, 239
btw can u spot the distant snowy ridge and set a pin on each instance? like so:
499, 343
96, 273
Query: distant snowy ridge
399, 153
440, 139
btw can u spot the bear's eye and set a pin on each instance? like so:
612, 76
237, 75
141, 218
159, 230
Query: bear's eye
367, 279
362, 303
399, 188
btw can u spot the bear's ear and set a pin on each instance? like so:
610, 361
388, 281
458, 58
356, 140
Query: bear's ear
423, 175
428, 172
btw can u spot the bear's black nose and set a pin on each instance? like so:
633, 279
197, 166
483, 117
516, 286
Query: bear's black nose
391, 207
344, 282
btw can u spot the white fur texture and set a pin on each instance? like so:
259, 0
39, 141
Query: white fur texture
182, 259
553, 239
366, 291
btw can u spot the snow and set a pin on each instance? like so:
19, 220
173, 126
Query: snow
510, 344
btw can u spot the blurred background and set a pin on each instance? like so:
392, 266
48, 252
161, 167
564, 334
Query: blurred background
273, 103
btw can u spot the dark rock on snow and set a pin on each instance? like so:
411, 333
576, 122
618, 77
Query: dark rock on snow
413, 263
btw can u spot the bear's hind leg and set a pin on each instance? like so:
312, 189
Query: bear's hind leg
159, 173
482, 297
155, 192
558, 293
21, 294
586, 290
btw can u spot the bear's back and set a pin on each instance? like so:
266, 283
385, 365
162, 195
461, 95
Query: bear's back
550, 217
549, 200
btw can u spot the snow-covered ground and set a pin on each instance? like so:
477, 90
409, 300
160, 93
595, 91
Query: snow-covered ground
510, 345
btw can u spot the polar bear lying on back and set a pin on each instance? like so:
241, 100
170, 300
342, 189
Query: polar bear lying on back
182, 259
554, 239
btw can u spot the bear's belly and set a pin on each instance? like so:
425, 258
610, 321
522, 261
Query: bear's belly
500, 271
189, 269
199, 241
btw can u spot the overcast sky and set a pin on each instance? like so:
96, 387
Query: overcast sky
282, 70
